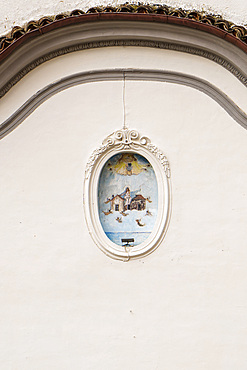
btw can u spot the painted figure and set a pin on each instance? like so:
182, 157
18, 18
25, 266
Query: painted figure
128, 165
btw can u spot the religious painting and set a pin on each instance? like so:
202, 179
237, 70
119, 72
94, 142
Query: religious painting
127, 198
127, 195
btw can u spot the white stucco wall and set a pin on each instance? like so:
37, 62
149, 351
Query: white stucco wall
64, 304
18, 12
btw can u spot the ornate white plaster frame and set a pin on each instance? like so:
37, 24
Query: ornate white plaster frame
126, 140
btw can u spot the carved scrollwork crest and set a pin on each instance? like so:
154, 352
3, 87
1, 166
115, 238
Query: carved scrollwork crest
127, 139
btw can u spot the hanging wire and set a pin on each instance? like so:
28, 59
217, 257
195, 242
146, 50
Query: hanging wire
124, 113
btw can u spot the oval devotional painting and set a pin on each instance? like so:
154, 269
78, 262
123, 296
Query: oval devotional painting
127, 198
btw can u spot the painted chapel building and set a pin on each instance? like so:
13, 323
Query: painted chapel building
124, 202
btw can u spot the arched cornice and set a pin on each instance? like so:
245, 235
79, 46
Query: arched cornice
116, 75
162, 27
210, 23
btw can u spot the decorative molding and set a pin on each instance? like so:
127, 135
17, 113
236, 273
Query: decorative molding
140, 43
117, 75
196, 18
162, 158
126, 141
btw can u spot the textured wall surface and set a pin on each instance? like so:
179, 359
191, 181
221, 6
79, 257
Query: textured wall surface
64, 304
17, 12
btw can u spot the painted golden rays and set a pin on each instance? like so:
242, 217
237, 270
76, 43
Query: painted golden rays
127, 165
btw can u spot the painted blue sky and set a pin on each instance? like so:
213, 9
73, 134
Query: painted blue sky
111, 183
